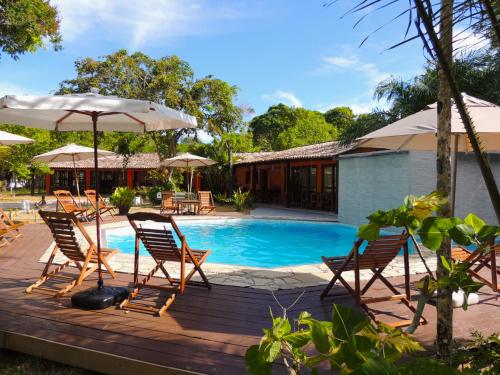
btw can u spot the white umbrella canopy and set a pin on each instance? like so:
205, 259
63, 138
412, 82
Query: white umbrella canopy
8, 139
187, 160
94, 112
73, 112
418, 131
71, 152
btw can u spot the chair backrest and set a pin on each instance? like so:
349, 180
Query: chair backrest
180, 195
62, 225
205, 198
380, 252
159, 242
66, 200
5, 221
167, 199
91, 197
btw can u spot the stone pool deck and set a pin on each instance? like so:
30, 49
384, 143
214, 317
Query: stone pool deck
253, 277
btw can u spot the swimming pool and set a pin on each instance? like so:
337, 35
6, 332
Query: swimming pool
254, 242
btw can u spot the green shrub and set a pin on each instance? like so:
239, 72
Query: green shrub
152, 193
123, 199
241, 200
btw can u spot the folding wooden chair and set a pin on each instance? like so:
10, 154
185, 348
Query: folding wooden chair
167, 202
477, 261
206, 202
69, 204
9, 228
376, 257
62, 225
161, 245
103, 206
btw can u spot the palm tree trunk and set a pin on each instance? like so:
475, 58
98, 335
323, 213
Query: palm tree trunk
443, 164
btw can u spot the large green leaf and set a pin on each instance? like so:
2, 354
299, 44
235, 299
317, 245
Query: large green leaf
487, 233
474, 221
298, 339
254, 363
347, 322
430, 233
463, 234
376, 366
369, 232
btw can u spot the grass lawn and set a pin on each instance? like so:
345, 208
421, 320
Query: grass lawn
13, 363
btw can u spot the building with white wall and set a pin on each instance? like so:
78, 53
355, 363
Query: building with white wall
381, 180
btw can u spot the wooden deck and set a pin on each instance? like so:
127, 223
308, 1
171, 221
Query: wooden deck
204, 331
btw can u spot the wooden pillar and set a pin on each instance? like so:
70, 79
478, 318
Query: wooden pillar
47, 183
88, 179
287, 184
130, 178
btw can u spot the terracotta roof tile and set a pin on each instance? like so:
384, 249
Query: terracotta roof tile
323, 150
138, 161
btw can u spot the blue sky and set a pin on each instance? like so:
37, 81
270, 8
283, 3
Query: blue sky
292, 51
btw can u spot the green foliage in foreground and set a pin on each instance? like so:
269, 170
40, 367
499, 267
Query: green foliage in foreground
416, 216
348, 344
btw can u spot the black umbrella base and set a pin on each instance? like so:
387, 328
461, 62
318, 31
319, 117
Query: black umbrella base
99, 298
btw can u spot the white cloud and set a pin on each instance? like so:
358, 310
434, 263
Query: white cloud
140, 22
353, 64
285, 97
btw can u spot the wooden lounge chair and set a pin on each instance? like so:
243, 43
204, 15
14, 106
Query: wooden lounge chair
161, 245
206, 202
477, 261
167, 202
376, 257
103, 206
8, 228
69, 204
62, 225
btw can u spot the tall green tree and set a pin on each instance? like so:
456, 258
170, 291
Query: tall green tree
275, 120
310, 127
25, 25
340, 117
477, 74
167, 80
283, 127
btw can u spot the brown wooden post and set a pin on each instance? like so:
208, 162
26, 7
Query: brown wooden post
287, 184
47, 183
407, 270
357, 288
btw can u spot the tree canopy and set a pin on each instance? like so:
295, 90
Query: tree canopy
283, 127
26, 24
167, 80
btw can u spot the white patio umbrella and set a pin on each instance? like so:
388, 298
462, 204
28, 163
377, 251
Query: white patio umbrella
417, 132
188, 161
94, 112
8, 139
71, 152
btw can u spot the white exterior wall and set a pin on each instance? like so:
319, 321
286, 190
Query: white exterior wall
381, 181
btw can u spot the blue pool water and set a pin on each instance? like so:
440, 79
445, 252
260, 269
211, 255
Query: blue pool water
255, 242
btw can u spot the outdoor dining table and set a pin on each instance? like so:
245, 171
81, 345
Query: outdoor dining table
189, 203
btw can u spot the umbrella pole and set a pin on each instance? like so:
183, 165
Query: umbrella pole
76, 181
100, 282
100, 297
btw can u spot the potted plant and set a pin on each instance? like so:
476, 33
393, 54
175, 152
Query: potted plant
123, 199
